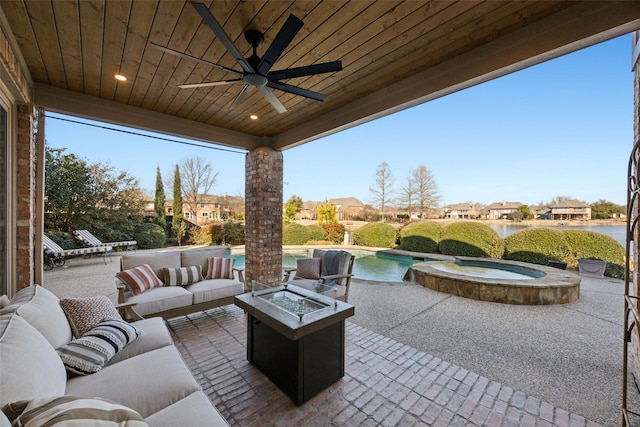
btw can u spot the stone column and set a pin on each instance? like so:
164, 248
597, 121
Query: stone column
263, 210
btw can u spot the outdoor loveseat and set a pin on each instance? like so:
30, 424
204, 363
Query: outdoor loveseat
175, 283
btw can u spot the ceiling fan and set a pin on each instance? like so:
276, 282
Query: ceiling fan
256, 71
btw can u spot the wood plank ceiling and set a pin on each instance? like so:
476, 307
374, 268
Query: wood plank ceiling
78, 45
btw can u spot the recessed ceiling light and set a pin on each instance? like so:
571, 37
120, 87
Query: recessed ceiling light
253, 117
120, 77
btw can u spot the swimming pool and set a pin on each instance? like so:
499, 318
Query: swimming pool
368, 265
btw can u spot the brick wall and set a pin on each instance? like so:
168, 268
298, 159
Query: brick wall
25, 197
263, 204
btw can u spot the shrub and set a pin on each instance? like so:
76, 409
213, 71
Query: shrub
149, 236
471, 239
421, 236
334, 232
317, 232
295, 234
589, 244
228, 233
375, 234
537, 246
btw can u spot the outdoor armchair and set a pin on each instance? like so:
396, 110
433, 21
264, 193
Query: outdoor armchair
328, 272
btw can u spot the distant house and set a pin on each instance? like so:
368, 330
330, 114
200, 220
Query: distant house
570, 210
500, 210
461, 211
346, 208
210, 208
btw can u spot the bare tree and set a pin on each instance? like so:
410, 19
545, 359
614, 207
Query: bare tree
407, 195
197, 177
426, 189
383, 189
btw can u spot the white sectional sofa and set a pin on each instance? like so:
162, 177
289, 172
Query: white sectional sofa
167, 300
148, 376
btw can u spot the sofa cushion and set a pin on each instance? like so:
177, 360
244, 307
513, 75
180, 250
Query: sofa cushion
308, 268
220, 268
89, 354
194, 410
139, 279
209, 290
85, 313
41, 309
146, 383
182, 276
30, 365
156, 260
154, 334
72, 411
189, 257
161, 299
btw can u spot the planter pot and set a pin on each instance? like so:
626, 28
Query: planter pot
558, 264
591, 267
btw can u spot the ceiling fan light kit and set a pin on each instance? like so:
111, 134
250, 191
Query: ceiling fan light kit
256, 71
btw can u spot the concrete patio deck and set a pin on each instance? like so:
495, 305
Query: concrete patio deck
417, 357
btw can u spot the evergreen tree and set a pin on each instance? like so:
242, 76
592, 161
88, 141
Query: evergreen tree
159, 217
177, 224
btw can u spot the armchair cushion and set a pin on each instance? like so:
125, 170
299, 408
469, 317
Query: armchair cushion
182, 276
220, 268
90, 353
69, 411
308, 268
139, 279
86, 313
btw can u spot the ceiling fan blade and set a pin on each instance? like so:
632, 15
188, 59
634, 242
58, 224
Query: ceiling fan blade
246, 90
208, 18
309, 70
286, 34
272, 99
202, 61
297, 91
219, 83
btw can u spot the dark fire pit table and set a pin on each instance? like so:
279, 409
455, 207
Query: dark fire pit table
296, 338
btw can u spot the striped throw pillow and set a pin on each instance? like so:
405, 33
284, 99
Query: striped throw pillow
70, 411
220, 268
89, 354
182, 276
139, 279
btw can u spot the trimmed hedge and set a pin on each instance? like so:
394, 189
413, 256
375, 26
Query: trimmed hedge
149, 236
375, 234
317, 232
537, 246
589, 244
471, 239
295, 234
421, 236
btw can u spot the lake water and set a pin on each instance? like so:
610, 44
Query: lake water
618, 232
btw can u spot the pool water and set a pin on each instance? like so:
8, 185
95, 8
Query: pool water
488, 272
367, 266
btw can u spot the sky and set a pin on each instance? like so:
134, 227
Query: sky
560, 128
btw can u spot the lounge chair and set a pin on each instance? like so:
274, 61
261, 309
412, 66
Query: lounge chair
57, 256
328, 272
92, 241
